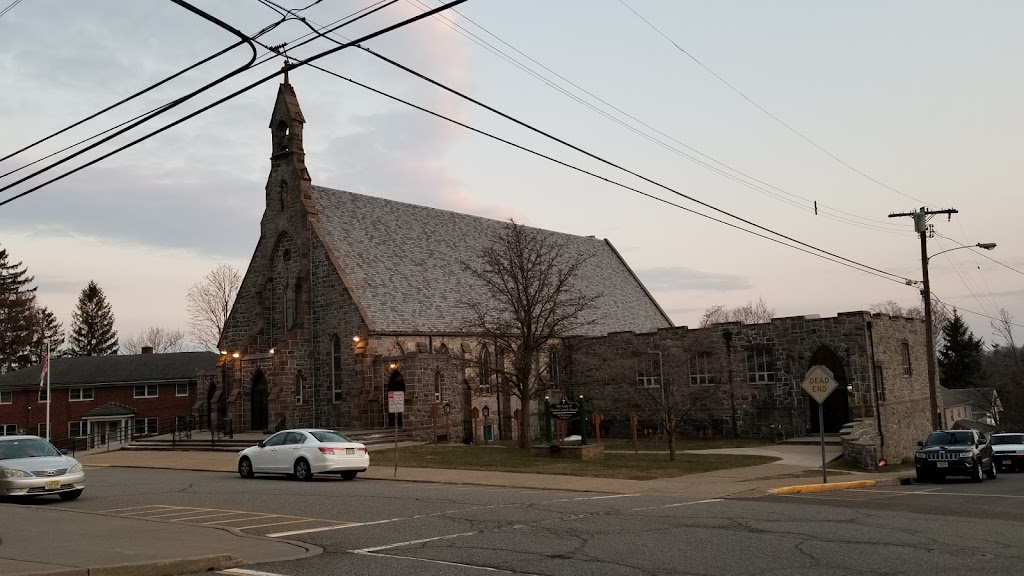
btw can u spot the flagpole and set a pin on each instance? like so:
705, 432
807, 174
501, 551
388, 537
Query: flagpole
48, 398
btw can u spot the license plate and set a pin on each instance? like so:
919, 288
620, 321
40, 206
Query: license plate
942, 464
350, 450
52, 484
1007, 462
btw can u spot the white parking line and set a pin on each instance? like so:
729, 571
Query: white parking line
675, 505
374, 552
419, 516
244, 572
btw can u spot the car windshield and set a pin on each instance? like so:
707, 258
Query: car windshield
1008, 439
26, 448
324, 436
949, 438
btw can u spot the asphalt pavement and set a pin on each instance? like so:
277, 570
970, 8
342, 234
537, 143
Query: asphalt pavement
394, 527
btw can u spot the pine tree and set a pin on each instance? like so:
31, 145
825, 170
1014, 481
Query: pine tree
17, 300
92, 326
46, 330
960, 356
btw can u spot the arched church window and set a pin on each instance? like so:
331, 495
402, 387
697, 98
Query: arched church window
485, 369
289, 306
336, 395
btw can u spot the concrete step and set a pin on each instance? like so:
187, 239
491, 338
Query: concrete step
830, 440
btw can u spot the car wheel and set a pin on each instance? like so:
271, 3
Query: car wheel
70, 494
977, 475
922, 477
302, 470
348, 475
992, 471
245, 468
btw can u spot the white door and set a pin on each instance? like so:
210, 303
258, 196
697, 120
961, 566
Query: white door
263, 459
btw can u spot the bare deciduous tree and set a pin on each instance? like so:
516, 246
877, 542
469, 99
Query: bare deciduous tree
1004, 368
208, 304
752, 312
530, 297
161, 340
940, 315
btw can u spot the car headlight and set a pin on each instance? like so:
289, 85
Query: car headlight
966, 456
75, 469
919, 455
12, 473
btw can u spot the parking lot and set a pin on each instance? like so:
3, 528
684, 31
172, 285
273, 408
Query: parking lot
394, 527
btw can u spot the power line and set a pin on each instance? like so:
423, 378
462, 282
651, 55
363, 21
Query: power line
760, 186
617, 166
111, 107
595, 175
764, 110
163, 109
9, 7
605, 161
302, 42
287, 67
963, 280
983, 255
975, 313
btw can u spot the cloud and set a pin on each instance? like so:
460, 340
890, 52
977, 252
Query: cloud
679, 278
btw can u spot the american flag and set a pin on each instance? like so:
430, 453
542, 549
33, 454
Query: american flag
46, 368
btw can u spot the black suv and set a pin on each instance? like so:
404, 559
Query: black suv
954, 453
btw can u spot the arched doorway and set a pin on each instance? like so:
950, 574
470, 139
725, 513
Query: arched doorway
837, 405
259, 404
211, 391
395, 384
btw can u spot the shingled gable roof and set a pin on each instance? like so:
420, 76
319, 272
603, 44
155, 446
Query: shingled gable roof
113, 370
404, 265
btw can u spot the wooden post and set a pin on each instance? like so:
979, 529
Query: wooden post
597, 427
447, 425
632, 424
475, 416
433, 419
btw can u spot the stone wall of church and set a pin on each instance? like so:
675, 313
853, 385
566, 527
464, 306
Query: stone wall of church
747, 378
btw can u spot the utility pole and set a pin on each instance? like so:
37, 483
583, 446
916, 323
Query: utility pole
921, 218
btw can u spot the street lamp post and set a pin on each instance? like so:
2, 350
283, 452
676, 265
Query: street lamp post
933, 399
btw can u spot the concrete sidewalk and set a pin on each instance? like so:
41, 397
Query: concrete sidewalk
750, 480
39, 539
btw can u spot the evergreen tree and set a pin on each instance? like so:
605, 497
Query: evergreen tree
92, 325
17, 300
46, 330
960, 356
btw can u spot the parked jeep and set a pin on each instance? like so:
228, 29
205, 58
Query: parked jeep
954, 453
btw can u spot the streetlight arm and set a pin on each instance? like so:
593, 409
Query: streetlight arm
983, 245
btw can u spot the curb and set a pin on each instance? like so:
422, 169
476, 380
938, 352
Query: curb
169, 567
833, 486
156, 568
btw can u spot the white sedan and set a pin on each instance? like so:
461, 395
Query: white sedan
303, 453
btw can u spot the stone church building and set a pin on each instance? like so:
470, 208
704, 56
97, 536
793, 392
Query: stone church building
349, 296
744, 379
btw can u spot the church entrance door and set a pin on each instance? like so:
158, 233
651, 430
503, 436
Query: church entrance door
259, 402
837, 406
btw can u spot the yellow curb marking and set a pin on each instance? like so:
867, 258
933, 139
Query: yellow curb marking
823, 487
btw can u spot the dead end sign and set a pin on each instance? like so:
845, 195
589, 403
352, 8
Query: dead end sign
819, 383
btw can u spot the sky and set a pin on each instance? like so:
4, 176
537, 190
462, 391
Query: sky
879, 107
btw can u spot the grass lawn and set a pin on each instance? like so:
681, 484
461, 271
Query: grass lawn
659, 444
502, 458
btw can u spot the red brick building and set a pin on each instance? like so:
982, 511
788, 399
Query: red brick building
123, 396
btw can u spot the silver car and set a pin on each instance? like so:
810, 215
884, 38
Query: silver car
31, 466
